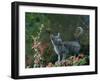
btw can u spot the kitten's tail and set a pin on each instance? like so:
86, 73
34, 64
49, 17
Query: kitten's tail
78, 32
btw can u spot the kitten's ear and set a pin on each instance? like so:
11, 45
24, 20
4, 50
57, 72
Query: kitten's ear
58, 34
